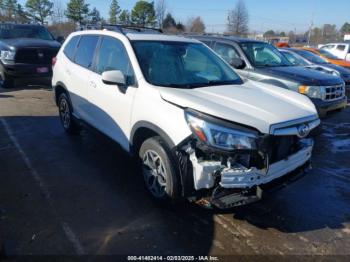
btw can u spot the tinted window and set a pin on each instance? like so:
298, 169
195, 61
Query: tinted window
182, 65
113, 56
311, 57
70, 48
227, 52
9, 31
264, 55
341, 47
86, 49
295, 59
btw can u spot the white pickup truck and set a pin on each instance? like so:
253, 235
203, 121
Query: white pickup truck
340, 50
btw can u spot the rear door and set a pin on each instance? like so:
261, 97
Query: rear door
80, 72
110, 106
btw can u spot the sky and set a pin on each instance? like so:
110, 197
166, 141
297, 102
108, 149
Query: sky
278, 15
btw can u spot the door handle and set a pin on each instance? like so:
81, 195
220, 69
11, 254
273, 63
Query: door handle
68, 72
93, 84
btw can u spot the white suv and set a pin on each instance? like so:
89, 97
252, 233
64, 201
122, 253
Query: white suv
200, 131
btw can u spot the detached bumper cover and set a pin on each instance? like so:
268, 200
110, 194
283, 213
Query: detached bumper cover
248, 178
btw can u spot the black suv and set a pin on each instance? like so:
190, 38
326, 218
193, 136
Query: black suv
260, 61
26, 53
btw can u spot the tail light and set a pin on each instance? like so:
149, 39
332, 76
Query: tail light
54, 60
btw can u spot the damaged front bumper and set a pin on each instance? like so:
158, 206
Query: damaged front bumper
242, 177
237, 185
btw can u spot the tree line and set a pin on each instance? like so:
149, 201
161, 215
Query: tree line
144, 13
79, 12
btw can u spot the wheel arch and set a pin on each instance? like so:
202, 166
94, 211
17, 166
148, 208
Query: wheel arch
143, 130
60, 88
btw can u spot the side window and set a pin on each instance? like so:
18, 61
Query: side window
86, 49
341, 47
227, 52
328, 47
113, 56
69, 49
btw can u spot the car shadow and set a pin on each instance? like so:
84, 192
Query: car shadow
99, 190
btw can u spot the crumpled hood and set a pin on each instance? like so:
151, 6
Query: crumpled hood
252, 104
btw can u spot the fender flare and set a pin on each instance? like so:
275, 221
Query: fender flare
60, 84
152, 127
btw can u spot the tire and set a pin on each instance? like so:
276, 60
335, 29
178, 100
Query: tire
6, 81
159, 170
68, 122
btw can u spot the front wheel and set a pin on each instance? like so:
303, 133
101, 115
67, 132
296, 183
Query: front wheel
6, 80
67, 120
159, 170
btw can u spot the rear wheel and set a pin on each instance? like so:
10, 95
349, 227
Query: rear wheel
159, 171
68, 122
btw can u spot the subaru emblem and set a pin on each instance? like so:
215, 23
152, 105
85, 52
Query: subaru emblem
303, 130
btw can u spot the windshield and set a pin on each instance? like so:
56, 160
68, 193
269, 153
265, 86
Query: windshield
182, 65
327, 54
311, 57
295, 59
264, 55
8, 31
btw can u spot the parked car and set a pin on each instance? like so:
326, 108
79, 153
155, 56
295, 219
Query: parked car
262, 62
328, 56
199, 130
298, 60
310, 60
26, 53
340, 50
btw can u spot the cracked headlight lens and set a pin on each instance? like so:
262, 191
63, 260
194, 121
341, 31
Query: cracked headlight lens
219, 136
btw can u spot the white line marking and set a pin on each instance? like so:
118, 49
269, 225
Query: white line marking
65, 227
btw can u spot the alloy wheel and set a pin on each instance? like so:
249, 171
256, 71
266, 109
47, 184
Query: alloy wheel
154, 173
65, 113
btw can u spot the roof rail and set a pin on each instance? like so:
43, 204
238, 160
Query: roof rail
118, 28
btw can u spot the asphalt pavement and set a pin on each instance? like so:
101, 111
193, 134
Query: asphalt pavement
75, 195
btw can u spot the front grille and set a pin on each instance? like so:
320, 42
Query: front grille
36, 56
334, 92
281, 147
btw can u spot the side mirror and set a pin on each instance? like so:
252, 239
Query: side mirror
60, 39
237, 63
114, 77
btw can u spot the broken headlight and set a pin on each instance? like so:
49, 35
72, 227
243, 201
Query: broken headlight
221, 137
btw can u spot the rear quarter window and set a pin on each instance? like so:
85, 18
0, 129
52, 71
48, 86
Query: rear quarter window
69, 49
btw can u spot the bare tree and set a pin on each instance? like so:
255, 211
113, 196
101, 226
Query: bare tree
238, 19
196, 25
161, 8
58, 12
